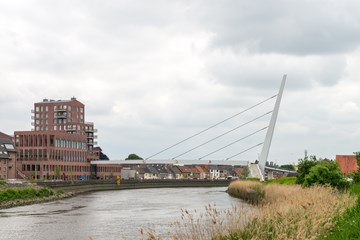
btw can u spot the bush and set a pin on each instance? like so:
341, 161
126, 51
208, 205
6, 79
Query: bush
304, 168
326, 173
28, 193
356, 177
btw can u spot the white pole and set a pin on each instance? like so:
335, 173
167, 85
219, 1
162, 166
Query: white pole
266, 147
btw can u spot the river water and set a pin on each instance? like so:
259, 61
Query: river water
109, 214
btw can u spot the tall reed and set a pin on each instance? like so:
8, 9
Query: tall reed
282, 212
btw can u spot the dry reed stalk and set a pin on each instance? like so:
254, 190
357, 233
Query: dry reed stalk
293, 212
285, 212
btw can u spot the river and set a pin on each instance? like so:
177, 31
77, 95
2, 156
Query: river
109, 214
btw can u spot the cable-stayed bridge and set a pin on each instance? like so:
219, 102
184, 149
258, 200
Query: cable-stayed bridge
265, 144
227, 159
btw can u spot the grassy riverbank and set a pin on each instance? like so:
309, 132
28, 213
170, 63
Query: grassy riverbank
347, 226
13, 197
282, 211
290, 211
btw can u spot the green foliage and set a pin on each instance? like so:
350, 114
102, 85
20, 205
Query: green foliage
304, 168
133, 156
283, 180
271, 164
356, 177
28, 193
57, 172
357, 155
245, 173
326, 173
289, 167
347, 226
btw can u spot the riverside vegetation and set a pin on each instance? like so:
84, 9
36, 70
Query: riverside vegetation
11, 197
317, 204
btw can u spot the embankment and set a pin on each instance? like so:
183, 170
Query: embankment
104, 185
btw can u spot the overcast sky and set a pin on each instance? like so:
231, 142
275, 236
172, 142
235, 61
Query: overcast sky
152, 73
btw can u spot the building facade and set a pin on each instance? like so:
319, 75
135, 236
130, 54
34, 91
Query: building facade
7, 158
60, 144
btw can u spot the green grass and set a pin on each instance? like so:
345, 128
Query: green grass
348, 225
283, 180
28, 193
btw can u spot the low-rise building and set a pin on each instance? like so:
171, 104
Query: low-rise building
8, 162
347, 163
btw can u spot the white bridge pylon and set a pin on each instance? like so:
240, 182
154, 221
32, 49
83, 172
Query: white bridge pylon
270, 131
266, 143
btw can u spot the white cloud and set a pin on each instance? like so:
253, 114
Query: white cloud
153, 73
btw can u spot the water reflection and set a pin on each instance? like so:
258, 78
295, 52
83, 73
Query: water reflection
110, 214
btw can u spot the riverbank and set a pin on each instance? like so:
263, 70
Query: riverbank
66, 189
282, 212
289, 211
14, 197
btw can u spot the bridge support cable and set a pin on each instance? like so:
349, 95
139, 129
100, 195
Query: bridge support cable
244, 151
230, 144
221, 135
215, 125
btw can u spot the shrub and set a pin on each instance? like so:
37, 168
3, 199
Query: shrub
326, 173
356, 177
304, 168
28, 193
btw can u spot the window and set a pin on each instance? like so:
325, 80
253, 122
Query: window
41, 108
9, 146
81, 110
36, 109
46, 109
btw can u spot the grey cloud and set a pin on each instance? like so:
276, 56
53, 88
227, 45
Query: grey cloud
291, 27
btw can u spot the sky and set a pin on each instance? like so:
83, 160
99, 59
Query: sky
152, 73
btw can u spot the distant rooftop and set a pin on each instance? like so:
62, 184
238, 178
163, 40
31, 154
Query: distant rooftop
46, 100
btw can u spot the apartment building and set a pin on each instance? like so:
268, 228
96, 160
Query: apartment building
60, 143
7, 157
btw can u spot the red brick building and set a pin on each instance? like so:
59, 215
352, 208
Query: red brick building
61, 144
347, 163
7, 157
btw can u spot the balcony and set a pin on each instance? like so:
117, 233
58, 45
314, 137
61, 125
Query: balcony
32, 117
60, 110
32, 111
60, 115
71, 129
91, 130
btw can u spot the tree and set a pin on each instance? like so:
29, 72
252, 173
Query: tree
289, 167
357, 155
245, 173
133, 156
57, 172
304, 168
326, 173
271, 164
